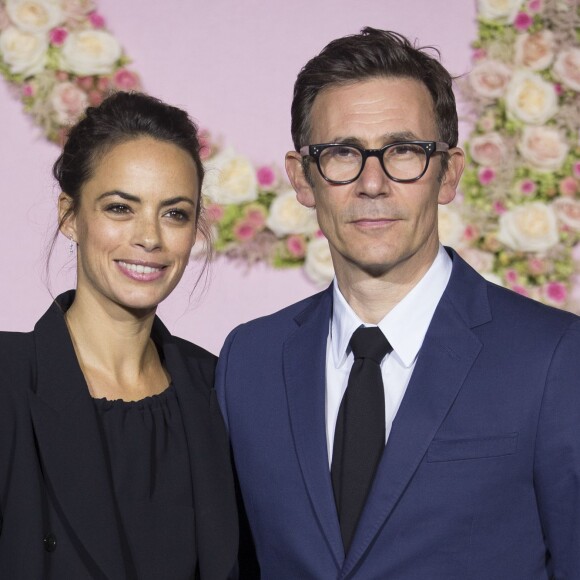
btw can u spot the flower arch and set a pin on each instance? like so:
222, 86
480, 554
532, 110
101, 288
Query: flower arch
518, 219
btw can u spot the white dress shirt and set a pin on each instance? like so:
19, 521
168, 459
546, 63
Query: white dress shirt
404, 326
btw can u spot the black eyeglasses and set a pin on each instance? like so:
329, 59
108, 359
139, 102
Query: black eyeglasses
403, 161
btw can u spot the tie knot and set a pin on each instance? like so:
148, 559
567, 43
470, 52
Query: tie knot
370, 343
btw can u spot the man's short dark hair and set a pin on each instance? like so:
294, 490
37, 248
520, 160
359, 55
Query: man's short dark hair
370, 54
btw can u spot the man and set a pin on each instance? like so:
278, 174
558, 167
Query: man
412, 421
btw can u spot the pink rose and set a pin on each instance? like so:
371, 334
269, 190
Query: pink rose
86, 83
568, 212
555, 293
103, 84
95, 98
4, 19
61, 76
126, 80
537, 266
486, 175
535, 51
214, 212
76, 10
28, 90
489, 78
522, 21
477, 259
57, 36
296, 246
478, 54
244, 231
522, 290
266, 176
68, 102
568, 187
470, 233
543, 147
256, 216
488, 149
576, 169
96, 20
511, 276
576, 253
567, 67
535, 6
527, 186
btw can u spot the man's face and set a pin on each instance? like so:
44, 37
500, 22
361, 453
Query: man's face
374, 225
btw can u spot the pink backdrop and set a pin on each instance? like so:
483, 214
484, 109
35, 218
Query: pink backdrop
232, 65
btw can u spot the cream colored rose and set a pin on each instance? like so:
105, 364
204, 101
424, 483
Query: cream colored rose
68, 102
35, 15
543, 147
90, 52
531, 99
288, 216
23, 52
451, 226
567, 68
499, 10
488, 149
535, 51
568, 212
529, 228
489, 78
478, 259
318, 264
230, 178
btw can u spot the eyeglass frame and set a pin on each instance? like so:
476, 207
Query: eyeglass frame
429, 147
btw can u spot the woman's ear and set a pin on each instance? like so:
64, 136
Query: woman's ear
66, 217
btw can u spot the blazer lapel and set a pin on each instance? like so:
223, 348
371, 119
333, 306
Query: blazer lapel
448, 353
304, 374
70, 445
211, 474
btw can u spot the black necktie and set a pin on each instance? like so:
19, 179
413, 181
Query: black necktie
359, 439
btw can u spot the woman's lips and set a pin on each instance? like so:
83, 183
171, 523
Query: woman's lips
142, 271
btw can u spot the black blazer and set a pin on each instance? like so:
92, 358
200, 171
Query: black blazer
57, 514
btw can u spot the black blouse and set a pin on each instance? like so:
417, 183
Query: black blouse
149, 464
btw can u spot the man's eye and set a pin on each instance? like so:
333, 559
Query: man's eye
344, 152
404, 150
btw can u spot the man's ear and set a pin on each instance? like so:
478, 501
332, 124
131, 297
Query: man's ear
298, 179
66, 217
452, 175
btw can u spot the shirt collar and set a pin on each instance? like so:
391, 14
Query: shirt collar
405, 325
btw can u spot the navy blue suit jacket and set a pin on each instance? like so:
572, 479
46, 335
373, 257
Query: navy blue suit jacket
480, 477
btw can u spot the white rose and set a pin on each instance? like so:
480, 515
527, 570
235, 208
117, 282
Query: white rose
535, 51
451, 226
90, 52
34, 15
288, 216
499, 10
531, 99
543, 147
529, 228
318, 264
23, 52
568, 212
478, 259
69, 102
488, 149
567, 68
230, 178
489, 78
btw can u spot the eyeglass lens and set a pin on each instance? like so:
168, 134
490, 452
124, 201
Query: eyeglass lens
404, 161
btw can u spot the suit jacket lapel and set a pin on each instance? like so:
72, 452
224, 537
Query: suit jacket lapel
211, 473
304, 374
70, 444
448, 353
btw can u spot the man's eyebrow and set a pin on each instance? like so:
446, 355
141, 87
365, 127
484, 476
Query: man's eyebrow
387, 138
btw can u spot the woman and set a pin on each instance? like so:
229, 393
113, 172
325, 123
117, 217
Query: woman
114, 462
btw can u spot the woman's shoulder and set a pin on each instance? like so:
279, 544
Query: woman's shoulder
16, 349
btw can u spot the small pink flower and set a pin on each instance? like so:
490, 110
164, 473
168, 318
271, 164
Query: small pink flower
214, 212
96, 20
523, 21
126, 80
266, 176
568, 187
576, 169
57, 36
103, 84
486, 175
527, 186
511, 276
86, 83
555, 292
470, 233
478, 54
255, 216
205, 145
28, 90
95, 98
535, 6
244, 231
536, 266
319, 234
559, 89
61, 76
296, 246
520, 290
499, 207
576, 253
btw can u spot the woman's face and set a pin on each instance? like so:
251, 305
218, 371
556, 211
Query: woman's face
135, 224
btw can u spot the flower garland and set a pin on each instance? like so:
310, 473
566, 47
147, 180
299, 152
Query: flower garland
519, 222
59, 59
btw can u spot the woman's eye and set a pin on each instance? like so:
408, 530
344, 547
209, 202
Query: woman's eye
178, 215
118, 208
